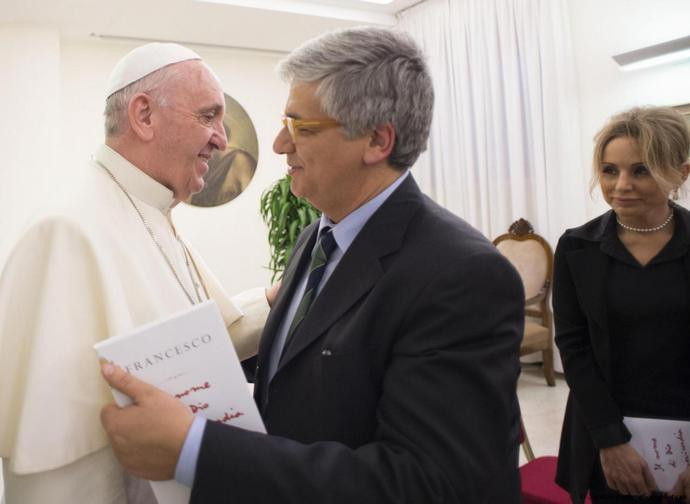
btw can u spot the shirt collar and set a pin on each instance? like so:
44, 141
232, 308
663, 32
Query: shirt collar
347, 229
676, 247
136, 182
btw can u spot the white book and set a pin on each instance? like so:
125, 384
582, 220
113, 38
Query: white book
665, 446
190, 356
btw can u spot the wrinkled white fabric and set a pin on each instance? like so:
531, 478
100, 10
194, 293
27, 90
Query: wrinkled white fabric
95, 478
84, 273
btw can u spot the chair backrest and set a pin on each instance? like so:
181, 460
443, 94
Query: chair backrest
532, 257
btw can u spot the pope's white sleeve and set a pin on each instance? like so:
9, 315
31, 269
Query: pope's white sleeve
245, 332
96, 478
244, 314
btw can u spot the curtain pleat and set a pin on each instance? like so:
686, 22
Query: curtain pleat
504, 143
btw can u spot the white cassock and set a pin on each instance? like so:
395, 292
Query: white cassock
87, 272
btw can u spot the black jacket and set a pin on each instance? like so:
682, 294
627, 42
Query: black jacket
592, 418
398, 386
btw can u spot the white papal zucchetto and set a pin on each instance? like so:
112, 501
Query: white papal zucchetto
144, 60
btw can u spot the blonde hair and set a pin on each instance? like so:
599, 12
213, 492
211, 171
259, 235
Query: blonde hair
662, 137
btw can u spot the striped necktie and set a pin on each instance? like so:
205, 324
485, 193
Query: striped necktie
319, 260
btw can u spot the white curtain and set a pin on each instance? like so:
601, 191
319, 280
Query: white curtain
504, 143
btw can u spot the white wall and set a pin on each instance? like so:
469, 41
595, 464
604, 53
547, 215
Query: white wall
29, 101
601, 29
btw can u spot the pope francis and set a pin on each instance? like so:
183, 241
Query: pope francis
106, 260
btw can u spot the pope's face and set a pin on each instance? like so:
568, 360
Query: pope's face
190, 129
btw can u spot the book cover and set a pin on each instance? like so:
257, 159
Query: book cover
190, 356
665, 446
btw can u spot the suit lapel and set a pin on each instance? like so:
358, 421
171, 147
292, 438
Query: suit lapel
360, 267
350, 283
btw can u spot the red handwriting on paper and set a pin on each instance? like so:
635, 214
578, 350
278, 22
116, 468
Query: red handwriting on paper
669, 451
672, 463
656, 452
197, 388
198, 407
658, 467
228, 417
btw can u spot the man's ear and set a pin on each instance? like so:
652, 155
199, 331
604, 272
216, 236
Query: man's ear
380, 146
139, 114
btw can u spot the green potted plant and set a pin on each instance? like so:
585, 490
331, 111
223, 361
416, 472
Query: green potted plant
286, 216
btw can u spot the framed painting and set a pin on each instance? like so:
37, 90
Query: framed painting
231, 170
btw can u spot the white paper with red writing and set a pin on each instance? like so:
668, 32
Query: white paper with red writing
188, 355
664, 444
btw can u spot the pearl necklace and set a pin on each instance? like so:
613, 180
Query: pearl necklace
646, 230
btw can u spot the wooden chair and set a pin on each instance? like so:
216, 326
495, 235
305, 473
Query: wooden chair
533, 258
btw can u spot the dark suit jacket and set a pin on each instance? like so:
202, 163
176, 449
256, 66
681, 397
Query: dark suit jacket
398, 387
592, 418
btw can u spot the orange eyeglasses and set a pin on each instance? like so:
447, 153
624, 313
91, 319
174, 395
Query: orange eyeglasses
294, 125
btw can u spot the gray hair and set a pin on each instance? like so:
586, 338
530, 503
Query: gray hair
154, 84
368, 77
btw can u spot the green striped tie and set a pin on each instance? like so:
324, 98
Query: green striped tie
319, 259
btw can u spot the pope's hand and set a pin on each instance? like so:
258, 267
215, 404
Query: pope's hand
147, 436
272, 293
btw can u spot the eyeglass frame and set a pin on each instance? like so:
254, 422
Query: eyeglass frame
292, 124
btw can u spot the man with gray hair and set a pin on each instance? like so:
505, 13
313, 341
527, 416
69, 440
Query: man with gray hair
388, 365
106, 260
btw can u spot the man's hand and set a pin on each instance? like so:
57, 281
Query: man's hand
682, 486
626, 471
147, 436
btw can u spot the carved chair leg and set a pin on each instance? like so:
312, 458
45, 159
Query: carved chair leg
547, 356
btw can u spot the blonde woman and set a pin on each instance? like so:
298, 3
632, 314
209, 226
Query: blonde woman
622, 309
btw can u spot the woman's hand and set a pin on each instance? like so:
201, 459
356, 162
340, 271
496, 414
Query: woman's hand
626, 471
682, 486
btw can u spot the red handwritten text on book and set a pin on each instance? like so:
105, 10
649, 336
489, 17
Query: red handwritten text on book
229, 417
198, 407
197, 388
